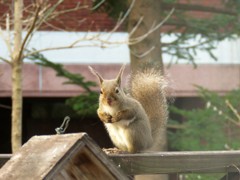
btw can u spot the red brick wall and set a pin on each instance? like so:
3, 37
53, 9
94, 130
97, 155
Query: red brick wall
81, 20
92, 21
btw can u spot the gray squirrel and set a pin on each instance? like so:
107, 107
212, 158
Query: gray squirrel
134, 121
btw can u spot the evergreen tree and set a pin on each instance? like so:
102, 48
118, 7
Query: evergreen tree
190, 21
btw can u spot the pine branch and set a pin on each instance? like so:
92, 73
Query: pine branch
76, 79
195, 7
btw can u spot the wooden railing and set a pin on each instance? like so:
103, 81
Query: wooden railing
227, 162
179, 162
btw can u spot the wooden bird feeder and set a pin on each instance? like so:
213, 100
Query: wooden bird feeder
68, 156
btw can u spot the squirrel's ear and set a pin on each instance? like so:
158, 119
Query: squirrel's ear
96, 74
119, 77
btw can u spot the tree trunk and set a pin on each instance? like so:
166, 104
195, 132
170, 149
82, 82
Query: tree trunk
150, 11
16, 105
16, 136
147, 51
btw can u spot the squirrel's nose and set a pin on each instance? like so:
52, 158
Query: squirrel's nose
109, 100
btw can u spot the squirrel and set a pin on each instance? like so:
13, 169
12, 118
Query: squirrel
135, 120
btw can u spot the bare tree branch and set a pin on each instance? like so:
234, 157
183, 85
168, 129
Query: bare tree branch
46, 16
76, 8
136, 26
61, 29
97, 5
99, 39
143, 54
5, 106
5, 60
29, 31
6, 38
95, 40
151, 30
57, 48
233, 110
47, 12
124, 17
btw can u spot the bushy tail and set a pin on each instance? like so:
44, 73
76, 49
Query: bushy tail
148, 87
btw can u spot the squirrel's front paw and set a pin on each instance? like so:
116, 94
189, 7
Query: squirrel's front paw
115, 119
108, 118
105, 117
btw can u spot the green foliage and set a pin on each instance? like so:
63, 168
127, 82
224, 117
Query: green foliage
215, 127
203, 176
202, 131
83, 104
112, 7
170, 1
207, 32
73, 78
43, 111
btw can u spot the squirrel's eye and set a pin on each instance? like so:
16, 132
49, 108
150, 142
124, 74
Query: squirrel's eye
101, 92
116, 90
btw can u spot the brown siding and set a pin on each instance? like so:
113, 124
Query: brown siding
182, 78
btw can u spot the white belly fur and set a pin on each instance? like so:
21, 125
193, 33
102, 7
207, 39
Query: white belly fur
118, 132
